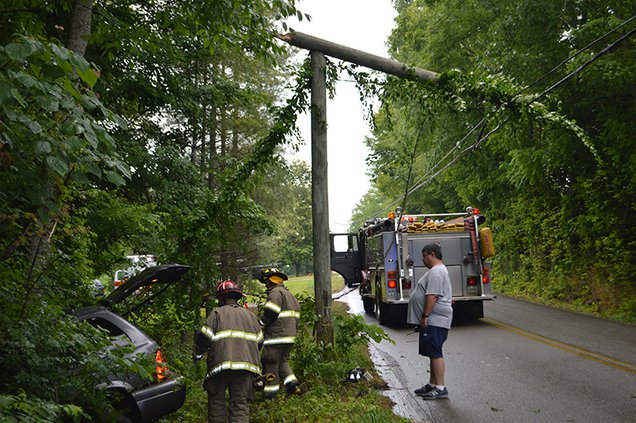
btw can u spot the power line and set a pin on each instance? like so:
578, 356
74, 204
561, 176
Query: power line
607, 49
572, 56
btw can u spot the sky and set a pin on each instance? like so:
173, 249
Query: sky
364, 25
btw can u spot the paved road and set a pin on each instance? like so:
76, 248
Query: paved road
522, 363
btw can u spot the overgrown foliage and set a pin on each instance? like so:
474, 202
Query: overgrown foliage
146, 141
162, 135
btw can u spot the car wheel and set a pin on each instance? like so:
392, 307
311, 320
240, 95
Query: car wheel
122, 405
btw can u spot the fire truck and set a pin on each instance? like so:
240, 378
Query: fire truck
385, 260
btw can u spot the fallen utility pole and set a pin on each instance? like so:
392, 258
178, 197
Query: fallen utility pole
359, 57
319, 170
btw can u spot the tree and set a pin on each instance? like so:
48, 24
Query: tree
286, 196
130, 142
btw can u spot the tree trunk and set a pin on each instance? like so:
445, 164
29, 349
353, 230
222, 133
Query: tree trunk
80, 26
235, 132
213, 123
223, 133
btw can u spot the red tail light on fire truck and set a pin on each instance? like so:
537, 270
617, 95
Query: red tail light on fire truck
406, 283
391, 276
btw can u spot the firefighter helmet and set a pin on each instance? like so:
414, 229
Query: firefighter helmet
226, 287
273, 275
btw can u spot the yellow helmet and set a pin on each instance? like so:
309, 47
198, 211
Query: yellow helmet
273, 275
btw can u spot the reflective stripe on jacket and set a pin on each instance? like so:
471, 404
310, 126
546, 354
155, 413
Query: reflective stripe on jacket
233, 336
281, 316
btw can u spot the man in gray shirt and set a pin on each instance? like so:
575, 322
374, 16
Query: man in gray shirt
430, 306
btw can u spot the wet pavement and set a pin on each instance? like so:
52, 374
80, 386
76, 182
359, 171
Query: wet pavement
521, 363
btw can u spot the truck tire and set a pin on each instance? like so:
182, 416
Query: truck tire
381, 310
378, 314
385, 317
369, 306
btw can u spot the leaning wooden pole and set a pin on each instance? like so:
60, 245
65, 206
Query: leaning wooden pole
320, 200
393, 67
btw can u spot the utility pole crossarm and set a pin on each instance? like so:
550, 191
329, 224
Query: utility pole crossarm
348, 54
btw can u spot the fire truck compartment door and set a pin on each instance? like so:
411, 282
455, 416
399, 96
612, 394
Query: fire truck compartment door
454, 247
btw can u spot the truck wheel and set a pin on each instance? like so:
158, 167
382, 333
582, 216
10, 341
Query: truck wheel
368, 305
381, 312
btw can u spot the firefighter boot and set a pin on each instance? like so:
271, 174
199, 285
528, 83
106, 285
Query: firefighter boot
260, 381
293, 388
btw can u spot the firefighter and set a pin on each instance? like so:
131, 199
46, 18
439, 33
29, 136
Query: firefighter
280, 318
232, 337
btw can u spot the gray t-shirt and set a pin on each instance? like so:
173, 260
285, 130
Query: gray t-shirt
434, 282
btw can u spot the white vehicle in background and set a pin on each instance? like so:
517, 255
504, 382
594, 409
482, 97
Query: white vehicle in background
138, 263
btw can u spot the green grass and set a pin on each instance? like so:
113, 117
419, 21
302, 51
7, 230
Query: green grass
305, 284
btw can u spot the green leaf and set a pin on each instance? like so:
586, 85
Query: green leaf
52, 71
115, 178
89, 134
58, 164
28, 81
61, 52
19, 51
47, 104
71, 89
16, 94
115, 118
95, 170
42, 147
80, 63
121, 167
74, 144
89, 101
33, 126
89, 76
5, 91
81, 177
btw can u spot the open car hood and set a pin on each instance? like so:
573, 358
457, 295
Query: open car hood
159, 277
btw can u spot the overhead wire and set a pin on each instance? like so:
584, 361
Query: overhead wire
408, 177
